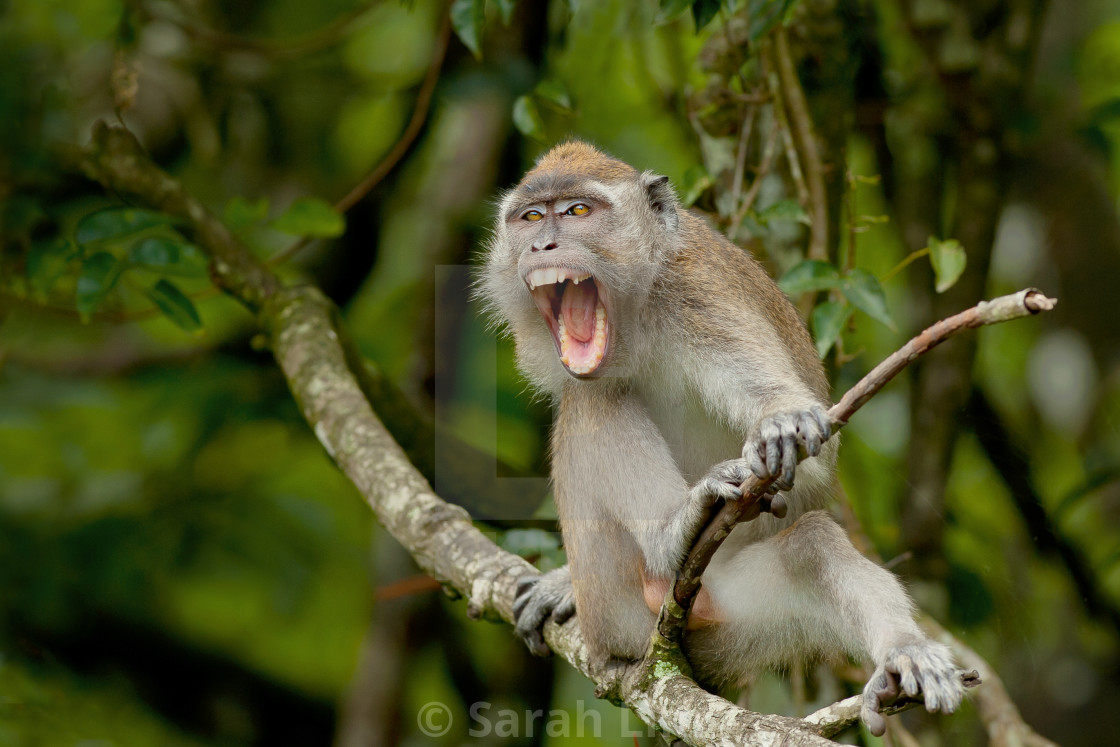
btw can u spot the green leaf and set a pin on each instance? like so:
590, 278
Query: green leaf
948, 260
310, 216
115, 222
827, 322
175, 305
467, 18
170, 256
99, 274
505, 10
865, 293
241, 213
703, 11
154, 252
554, 92
46, 261
696, 179
808, 276
527, 118
788, 210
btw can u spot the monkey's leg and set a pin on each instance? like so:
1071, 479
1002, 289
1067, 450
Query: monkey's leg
808, 590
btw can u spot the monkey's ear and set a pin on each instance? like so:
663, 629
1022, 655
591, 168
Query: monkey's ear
662, 199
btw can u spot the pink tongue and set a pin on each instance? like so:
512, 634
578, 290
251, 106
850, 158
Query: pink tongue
578, 309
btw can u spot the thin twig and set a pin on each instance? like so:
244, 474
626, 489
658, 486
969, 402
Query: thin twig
850, 214
276, 48
798, 110
399, 149
741, 157
833, 719
754, 501
904, 263
762, 170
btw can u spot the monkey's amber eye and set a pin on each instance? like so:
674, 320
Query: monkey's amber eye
533, 215
578, 209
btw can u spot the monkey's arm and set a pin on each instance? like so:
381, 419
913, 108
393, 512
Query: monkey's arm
760, 393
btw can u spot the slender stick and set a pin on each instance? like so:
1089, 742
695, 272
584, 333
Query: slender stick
802, 128
755, 500
399, 149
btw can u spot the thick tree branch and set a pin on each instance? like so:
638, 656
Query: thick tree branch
1005, 724
115, 159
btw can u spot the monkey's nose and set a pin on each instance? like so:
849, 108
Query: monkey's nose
545, 248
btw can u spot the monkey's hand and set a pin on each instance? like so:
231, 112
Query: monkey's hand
784, 438
539, 599
925, 667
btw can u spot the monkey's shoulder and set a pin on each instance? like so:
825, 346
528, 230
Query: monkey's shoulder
710, 278
720, 297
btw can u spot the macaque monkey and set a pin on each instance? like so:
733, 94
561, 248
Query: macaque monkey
667, 350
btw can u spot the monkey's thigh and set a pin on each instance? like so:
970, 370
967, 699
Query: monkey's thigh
777, 600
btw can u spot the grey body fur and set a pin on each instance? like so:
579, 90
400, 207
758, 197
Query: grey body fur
707, 364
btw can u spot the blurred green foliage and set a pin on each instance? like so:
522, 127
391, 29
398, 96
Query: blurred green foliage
180, 563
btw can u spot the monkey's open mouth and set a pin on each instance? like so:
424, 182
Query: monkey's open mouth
569, 301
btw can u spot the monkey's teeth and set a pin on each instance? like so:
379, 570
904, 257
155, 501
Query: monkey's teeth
553, 275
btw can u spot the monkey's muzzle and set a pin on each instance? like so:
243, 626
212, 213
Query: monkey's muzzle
570, 302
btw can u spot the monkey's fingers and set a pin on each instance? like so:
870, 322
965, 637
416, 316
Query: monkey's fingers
773, 434
721, 482
789, 459
927, 668
777, 506
525, 584
943, 690
540, 598
908, 675
523, 596
564, 611
753, 458
881, 690
529, 624
810, 434
876, 724
824, 420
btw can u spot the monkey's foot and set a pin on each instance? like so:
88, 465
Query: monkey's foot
925, 668
785, 438
540, 599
